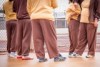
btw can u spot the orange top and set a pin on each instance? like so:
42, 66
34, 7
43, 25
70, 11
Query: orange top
72, 12
41, 9
85, 11
9, 14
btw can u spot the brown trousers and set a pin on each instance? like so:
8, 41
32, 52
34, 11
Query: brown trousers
44, 31
87, 35
23, 36
73, 34
11, 35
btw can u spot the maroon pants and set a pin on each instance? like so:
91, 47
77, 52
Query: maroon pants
87, 35
73, 34
11, 35
23, 36
44, 31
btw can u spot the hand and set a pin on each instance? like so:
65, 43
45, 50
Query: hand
75, 4
96, 22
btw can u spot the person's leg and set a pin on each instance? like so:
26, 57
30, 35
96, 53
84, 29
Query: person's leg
13, 38
82, 39
13, 35
50, 38
73, 35
38, 39
26, 40
19, 36
8, 28
49, 34
91, 34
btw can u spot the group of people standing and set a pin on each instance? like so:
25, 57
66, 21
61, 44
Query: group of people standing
83, 17
26, 17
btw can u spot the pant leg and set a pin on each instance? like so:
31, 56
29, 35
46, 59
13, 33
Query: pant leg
73, 34
91, 35
26, 40
19, 37
38, 39
8, 28
50, 37
82, 39
13, 35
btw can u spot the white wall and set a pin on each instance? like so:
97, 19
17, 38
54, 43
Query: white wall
62, 5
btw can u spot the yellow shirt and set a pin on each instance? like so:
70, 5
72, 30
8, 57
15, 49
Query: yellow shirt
72, 11
41, 9
8, 9
85, 11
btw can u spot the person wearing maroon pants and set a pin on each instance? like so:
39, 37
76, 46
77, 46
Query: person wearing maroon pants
41, 12
11, 22
88, 27
23, 29
72, 17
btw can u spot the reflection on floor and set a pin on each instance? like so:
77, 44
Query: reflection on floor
5, 61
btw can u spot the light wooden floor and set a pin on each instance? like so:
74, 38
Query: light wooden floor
5, 61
